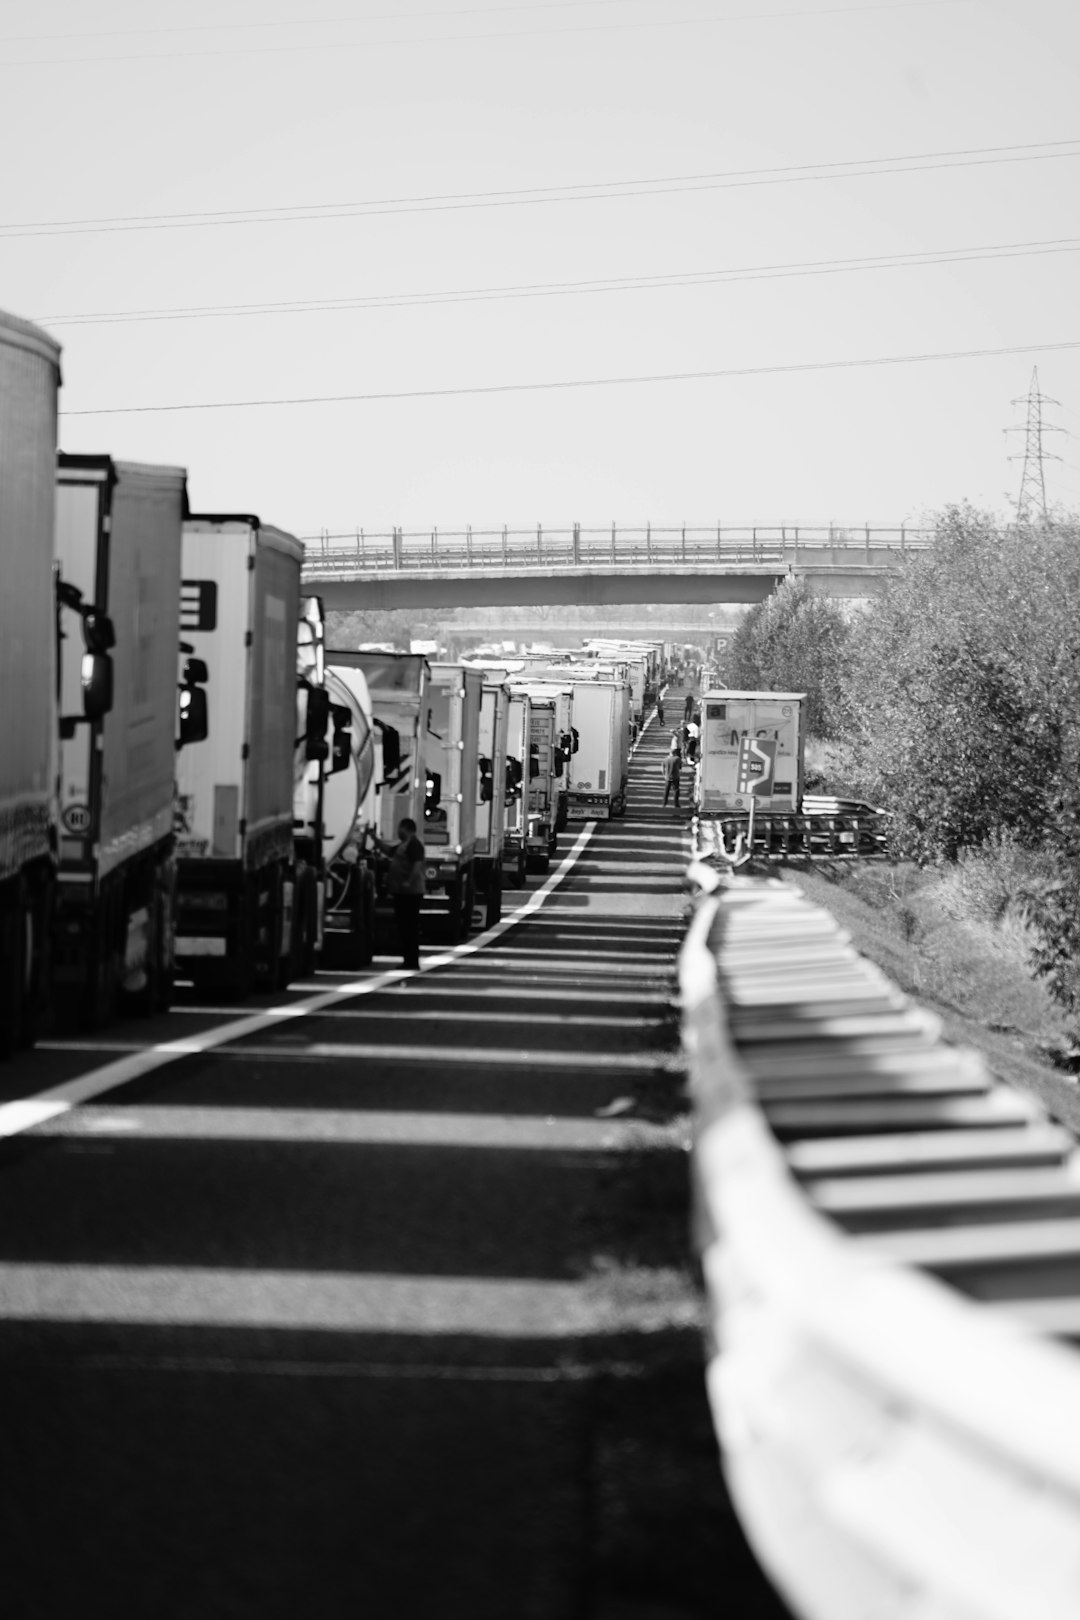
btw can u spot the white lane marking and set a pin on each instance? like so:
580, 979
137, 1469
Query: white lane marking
508, 1058
338, 1127
23, 1113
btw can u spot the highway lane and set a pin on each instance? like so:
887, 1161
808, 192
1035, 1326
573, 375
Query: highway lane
373, 1297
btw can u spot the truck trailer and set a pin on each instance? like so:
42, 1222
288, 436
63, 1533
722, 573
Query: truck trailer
247, 900
29, 383
118, 546
724, 777
596, 789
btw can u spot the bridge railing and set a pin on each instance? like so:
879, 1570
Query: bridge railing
401, 550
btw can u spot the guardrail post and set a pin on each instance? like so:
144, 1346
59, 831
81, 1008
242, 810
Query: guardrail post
505, 559
613, 542
684, 542
648, 541
539, 544
866, 552
577, 545
395, 541
796, 548
753, 541
903, 539
719, 547
468, 543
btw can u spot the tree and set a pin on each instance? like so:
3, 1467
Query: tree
794, 641
961, 687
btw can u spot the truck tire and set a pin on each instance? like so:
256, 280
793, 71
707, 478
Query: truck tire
12, 966
453, 924
493, 897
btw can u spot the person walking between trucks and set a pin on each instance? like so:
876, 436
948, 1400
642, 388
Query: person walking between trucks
672, 769
659, 709
405, 885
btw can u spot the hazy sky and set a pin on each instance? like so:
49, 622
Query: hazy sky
168, 160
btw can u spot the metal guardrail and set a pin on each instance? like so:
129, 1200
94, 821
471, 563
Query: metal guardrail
878, 1220
401, 550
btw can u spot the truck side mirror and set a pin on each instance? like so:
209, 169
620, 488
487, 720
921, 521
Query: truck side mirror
318, 718
433, 793
99, 634
97, 685
391, 749
341, 752
487, 781
560, 762
194, 717
534, 760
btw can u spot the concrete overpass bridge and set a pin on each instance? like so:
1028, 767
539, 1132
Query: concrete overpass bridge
597, 567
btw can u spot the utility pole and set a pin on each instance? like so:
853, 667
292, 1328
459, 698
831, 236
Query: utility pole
1031, 501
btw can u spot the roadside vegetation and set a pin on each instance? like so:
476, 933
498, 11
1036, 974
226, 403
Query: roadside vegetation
953, 700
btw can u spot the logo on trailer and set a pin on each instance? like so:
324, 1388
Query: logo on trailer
583, 784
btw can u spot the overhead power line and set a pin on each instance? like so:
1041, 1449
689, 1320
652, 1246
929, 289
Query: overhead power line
457, 11
454, 39
576, 382
566, 289
718, 180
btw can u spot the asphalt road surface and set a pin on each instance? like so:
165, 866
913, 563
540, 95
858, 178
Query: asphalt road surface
374, 1299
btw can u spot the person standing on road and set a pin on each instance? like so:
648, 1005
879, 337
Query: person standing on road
672, 769
405, 885
660, 708
688, 707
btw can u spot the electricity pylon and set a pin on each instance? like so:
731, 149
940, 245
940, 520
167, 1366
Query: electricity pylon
1031, 501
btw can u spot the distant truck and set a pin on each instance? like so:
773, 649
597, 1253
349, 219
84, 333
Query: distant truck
29, 383
349, 813
248, 893
551, 745
776, 720
596, 789
491, 799
118, 547
452, 753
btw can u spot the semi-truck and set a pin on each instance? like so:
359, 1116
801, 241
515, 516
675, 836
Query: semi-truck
596, 789
452, 754
551, 745
350, 813
491, 799
248, 894
516, 776
29, 383
117, 547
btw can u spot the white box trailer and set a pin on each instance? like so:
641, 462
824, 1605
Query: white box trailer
601, 717
117, 543
774, 718
245, 909
29, 383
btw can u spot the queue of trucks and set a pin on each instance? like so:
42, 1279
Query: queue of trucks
193, 777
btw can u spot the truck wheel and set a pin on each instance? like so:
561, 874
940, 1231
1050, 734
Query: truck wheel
101, 986
455, 894
364, 921
493, 906
12, 968
270, 924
